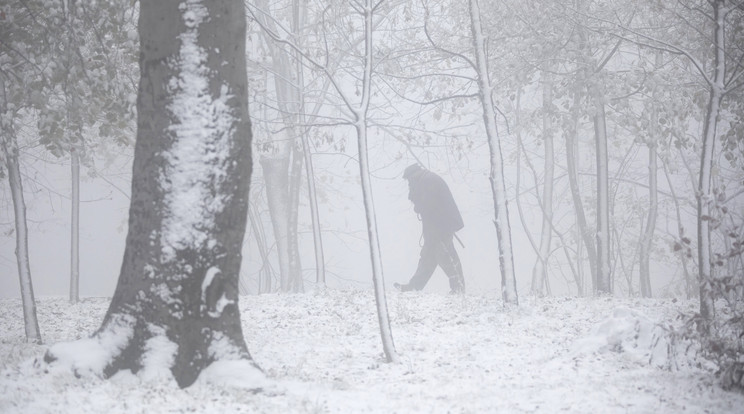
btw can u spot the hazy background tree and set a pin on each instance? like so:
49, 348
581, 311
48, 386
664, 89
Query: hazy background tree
359, 70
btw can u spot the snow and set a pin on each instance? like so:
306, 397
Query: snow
239, 374
160, 352
203, 126
321, 352
98, 351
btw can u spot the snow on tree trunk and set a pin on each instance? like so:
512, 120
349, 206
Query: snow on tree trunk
604, 283
75, 228
174, 311
360, 125
540, 284
10, 155
374, 246
498, 188
704, 196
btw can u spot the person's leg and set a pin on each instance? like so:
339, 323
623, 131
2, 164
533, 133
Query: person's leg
426, 266
449, 261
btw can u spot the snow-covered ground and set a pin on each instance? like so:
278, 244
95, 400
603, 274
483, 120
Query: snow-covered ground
323, 352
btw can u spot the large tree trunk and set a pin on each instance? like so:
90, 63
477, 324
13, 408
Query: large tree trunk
498, 188
175, 305
540, 284
704, 197
10, 154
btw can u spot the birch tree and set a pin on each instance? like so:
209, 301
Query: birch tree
496, 176
175, 310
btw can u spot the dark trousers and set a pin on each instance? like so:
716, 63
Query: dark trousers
438, 251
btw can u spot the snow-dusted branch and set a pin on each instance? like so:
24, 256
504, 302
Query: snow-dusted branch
437, 46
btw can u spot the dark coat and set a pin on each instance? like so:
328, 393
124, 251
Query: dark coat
434, 203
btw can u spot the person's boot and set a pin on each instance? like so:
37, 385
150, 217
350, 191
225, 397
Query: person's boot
457, 284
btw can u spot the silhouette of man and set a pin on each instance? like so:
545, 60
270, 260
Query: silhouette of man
440, 219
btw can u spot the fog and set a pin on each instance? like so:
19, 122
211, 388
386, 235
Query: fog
647, 83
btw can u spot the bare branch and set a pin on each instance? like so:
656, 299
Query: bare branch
435, 45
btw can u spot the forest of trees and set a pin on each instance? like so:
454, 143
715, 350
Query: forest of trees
610, 134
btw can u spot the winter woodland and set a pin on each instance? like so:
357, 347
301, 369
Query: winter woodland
203, 208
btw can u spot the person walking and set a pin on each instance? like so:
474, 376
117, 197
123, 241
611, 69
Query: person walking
440, 219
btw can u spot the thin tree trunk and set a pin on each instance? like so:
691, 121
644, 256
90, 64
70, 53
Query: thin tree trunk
296, 284
689, 288
604, 283
539, 272
360, 125
498, 188
264, 277
75, 228
648, 234
704, 197
277, 195
279, 168
320, 277
571, 138
10, 153
320, 273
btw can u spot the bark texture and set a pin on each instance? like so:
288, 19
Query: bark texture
498, 188
175, 305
